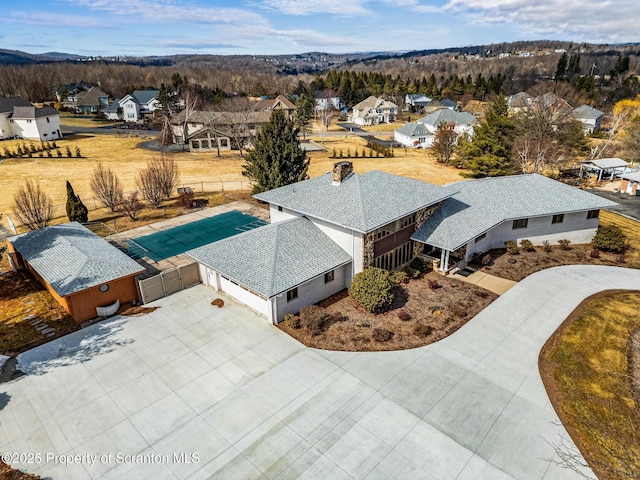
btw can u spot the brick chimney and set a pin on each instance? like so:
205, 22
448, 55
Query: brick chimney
341, 171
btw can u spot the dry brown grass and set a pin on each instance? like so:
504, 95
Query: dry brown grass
631, 229
586, 371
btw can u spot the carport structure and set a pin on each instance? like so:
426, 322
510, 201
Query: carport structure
604, 167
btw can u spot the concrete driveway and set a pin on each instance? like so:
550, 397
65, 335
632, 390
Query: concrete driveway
199, 392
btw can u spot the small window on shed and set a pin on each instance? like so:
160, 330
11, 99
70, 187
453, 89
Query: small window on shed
593, 214
521, 223
558, 218
329, 276
279, 208
292, 294
480, 238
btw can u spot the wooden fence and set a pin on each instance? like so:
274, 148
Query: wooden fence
168, 282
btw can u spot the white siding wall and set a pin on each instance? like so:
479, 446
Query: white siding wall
6, 131
575, 227
350, 241
48, 130
277, 216
311, 292
252, 300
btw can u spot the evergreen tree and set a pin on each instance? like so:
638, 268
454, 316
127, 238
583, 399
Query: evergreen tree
276, 159
76, 210
305, 107
561, 68
488, 154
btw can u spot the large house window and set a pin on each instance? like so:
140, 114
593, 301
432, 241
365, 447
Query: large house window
520, 223
292, 294
593, 214
329, 276
558, 218
224, 143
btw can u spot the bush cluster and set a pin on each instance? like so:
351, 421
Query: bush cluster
315, 319
380, 149
373, 289
564, 244
527, 245
512, 247
610, 239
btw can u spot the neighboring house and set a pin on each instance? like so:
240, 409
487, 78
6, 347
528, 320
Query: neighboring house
210, 131
279, 103
604, 167
422, 133
435, 105
373, 111
20, 119
590, 117
630, 182
134, 107
88, 101
327, 229
81, 270
416, 101
65, 93
519, 103
327, 100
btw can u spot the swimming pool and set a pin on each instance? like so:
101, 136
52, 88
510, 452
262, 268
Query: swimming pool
177, 240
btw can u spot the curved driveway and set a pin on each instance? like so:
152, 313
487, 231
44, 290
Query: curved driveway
250, 402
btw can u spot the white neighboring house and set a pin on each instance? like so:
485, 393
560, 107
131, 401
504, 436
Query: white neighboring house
416, 101
326, 100
373, 111
630, 182
590, 117
422, 133
134, 107
20, 119
326, 229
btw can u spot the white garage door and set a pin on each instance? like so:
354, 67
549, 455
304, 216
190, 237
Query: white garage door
246, 297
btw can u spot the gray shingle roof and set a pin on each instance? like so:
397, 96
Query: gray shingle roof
585, 111
414, 130
71, 258
448, 116
605, 163
632, 176
7, 104
275, 258
482, 204
142, 97
33, 112
362, 202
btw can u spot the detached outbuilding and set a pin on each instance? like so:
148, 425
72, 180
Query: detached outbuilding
82, 271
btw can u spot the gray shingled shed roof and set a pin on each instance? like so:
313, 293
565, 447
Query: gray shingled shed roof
275, 258
72, 258
483, 204
362, 202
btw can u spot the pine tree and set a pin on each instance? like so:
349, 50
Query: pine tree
277, 158
561, 69
305, 107
489, 153
76, 210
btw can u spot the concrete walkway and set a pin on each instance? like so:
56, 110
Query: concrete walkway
200, 392
490, 282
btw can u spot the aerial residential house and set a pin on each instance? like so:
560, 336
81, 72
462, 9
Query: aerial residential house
422, 133
435, 105
327, 100
135, 107
373, 111
83, 272
630, 182
326, 229
20, 119
65, 93
590, 117
279, 103
88, 101
416, 101
519, 103
213, 131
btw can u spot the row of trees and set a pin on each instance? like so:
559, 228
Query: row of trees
35, 210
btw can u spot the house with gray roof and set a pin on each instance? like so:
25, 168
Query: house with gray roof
21, 119
326, 229
630, 183
82, 271
422, 133
134, 107
373, 111
486, 213
590, 117
416, 101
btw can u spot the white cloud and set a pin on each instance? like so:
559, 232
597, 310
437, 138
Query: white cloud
583, 20
47, 19
315, 7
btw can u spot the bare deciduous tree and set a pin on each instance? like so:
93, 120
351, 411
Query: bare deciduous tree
159, 179
106, 187
239, 113
131, 205
325, 115
444, 142
32, 206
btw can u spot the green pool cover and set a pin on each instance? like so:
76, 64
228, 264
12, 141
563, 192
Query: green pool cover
177, 240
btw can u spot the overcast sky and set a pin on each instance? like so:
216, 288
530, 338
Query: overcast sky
167, 27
